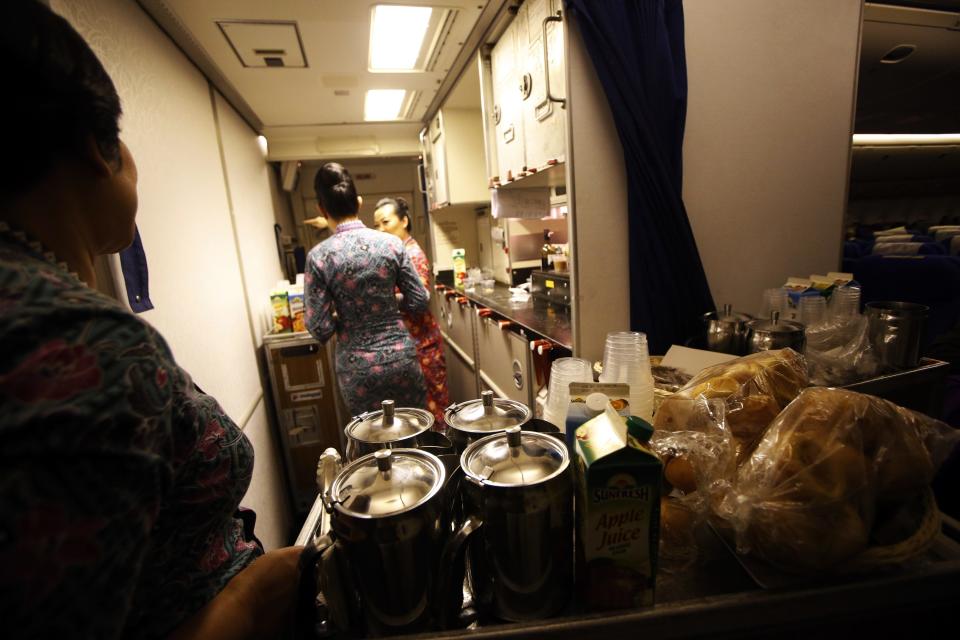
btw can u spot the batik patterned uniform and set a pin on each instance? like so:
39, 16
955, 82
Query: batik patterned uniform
354, 273
425, 331
118, 477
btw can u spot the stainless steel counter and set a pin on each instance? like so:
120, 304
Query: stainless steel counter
549, 321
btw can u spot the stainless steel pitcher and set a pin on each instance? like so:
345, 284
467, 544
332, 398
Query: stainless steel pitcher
391, 518
518, 535
895, 330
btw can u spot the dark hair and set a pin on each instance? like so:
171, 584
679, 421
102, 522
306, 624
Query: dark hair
59, 94
400, 206
336, 191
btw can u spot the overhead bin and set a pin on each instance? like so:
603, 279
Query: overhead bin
909, 80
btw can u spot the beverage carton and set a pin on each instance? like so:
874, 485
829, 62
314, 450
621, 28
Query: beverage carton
618, 512
295, 299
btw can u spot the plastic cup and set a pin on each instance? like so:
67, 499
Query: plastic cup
813, 310
773, 300
845, 302
563, 371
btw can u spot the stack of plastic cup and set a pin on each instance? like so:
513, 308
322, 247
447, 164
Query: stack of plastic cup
845, 302
813, 310
774, 300
627, 360
563, 371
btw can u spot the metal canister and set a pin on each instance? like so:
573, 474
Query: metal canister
896, 330
768, 335
469, 421
518, 498
389, 428
726, 330
390, 516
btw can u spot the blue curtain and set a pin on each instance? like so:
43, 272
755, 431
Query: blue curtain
638, 53
136, 278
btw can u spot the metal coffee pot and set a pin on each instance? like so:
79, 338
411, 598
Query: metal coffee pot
390, 514
767, 335
726, 331
469, 421
517, 537
393, 428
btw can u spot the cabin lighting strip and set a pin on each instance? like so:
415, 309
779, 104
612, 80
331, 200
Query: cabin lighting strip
396, 36
900, 139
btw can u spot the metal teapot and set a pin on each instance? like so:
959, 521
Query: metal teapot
726, 330
767, 335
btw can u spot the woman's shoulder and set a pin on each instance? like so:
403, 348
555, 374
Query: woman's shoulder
413, 247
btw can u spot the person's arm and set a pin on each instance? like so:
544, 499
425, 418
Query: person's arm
256, 603
318, 303
415, 295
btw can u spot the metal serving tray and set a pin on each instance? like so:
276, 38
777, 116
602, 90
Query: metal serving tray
920, 389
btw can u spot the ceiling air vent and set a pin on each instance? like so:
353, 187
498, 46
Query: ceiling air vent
898, 53
265, 44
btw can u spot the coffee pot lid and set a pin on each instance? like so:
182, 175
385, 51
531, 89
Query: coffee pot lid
389, 424
387, 482
487, 414
515, 458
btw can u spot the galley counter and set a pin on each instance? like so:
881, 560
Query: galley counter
495, 343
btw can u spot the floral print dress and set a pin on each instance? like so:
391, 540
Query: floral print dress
119, 479
349, 286
425, 331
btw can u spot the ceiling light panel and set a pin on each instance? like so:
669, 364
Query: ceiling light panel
403, 38
383, 104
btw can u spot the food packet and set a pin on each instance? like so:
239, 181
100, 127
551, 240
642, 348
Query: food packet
754, 388
807, 498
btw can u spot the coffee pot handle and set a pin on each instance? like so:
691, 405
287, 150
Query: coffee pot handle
449, 595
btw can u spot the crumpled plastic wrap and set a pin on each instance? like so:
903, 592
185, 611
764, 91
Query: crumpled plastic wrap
807, 498
699, 466
754, 389
838, 352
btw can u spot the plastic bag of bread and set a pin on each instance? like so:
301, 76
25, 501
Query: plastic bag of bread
806, 499
755, 389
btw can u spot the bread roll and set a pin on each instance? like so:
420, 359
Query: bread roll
814, 481
754, 388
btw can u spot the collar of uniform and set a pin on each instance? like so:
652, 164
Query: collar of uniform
350, 226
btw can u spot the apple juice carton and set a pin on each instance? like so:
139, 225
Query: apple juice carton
459, 267
618, 512
588, 400
280, 303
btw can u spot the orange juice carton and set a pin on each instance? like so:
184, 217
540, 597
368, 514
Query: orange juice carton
295, 300
617, 511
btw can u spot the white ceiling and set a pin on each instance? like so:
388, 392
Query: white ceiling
316, 109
